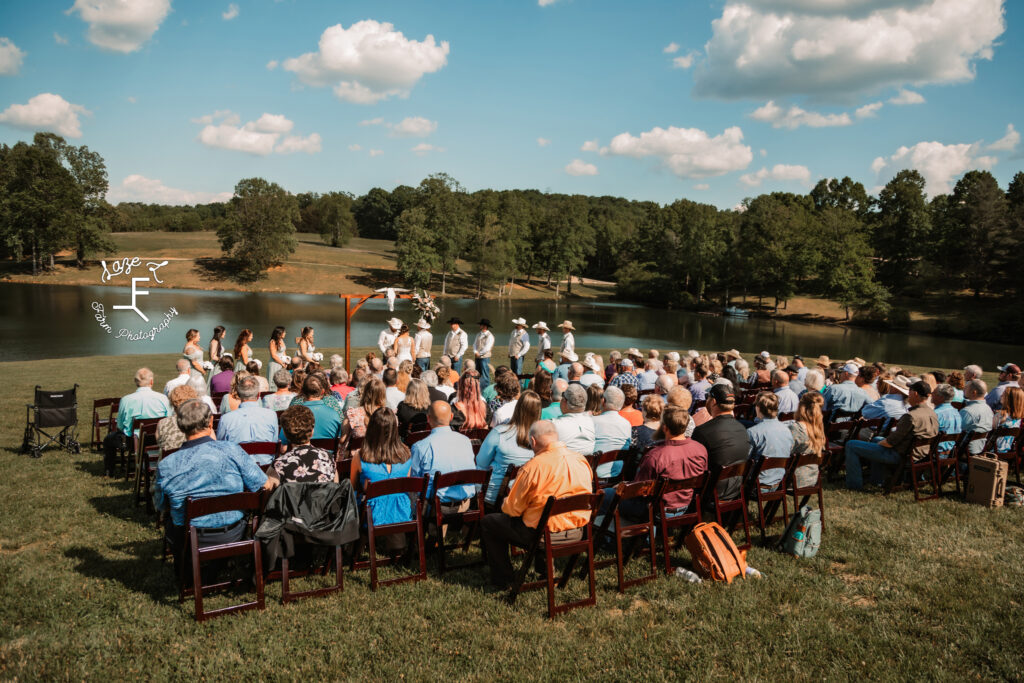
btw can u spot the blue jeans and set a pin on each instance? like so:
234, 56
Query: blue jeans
483, 366
423, 364
516, 365
457, 365
879, 456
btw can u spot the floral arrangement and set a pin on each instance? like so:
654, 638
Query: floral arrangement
207, 365
424, 303
318, 356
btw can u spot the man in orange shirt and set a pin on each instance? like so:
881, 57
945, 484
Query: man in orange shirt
555, 471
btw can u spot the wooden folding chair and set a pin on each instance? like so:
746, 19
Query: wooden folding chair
613, 525
805, 492
411, 486
332, 446
963, 453
595, 460
470, 519
130, 460
744, 411
836, 436
667, 518
583, 502
414, 437
248, 504
736, 506
147, 454
874, 425
765, 497
1011, 456
946, 462
103, 421
261, 447
924, 465
786, 417
839, 416
506, 485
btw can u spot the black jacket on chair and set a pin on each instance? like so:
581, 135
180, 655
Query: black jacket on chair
319, 513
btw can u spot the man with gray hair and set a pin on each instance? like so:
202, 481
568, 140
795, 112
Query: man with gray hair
972, 372
612, 432
142, 403
948, 417
665, 384
649, 377
251, 421
576, 426
184, 368
337, 362
554, 470
202, 468
976, 415
429, 378
788, 400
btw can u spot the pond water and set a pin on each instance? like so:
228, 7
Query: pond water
55, 321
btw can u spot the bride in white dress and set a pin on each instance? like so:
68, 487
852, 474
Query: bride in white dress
403, 344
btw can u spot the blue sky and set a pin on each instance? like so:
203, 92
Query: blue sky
712, 101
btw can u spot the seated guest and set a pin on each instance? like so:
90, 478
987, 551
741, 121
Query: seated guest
282, 398
566, 359
142, 403
339, 383
595, 399
184, 368
625, 376
394, 396
554, 410
251, 422
168, 436
446, 380
948, 417
490, 392
649, 376
956, 380
231, 400
429, 378
313, 396
372, 398
575, 426
508, 444
542, 384
643, 436
412, 411
919, 421
555, 470
814, 380
666, 383
701, 384
384, 456
808, 430
681, 397
444, 451
549, 361
254, 368
469, 410
360, 376
611, 431
403, 375
1009, 376
780, 387
1008, 416
302, 462
629, 410
845, 395
796, 385
507, 388
976, 416
201, 468
724, 438
592, 371
221, 382
198, 385
769, 438
892, 405
610, 370
575, 373
866, 381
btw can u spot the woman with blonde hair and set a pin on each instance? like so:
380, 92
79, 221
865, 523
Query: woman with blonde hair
644, 435
412, 411
808, 430
595, 399
231, 400
508, 444
404, 375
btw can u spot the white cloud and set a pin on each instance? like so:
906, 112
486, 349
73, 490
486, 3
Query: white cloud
231, 13
590, 146
685, 61
355, 148
907, 97
368, 62
543, 142
120, 25
137, 188
1008, 142
939, 164
545, 3
413, 127
764, 48
265, 135
687, 152
777, 172
376, 152
271, 65
11, 57
868, 111
59, 39
424, 148
48, 112
795, 117
702, 186
131, 98
579, 167
671, 48
372, 122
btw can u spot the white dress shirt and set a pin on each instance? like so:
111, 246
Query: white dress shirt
568, 343
423, 341
178, 381
386, 340
455, 343
518, 344
483, 344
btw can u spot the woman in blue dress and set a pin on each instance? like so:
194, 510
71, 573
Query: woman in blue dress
193, 353
508, 444
279, 359
383, 456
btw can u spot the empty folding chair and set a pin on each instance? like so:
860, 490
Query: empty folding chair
104, 411
801, 494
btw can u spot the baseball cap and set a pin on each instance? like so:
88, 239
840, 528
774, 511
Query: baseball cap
722, 394
626, 363
1009, 367
851, 368
921, 388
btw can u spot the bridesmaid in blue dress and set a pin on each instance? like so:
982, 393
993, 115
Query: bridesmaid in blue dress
193, 353
383, 456
243, 352
279, 359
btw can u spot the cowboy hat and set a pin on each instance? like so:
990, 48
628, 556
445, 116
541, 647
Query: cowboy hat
900, 384
422, 324
485, 321
541, 326
733, 352
672, 355
570, 356
858, 361
568, 324
633, 351
591, 362
824, 360
395, 323
519, 321
454, 321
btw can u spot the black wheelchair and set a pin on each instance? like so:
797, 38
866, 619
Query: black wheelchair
51, 411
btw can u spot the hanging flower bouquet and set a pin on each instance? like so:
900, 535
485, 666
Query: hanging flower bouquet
424, 303
207, 365
318, 356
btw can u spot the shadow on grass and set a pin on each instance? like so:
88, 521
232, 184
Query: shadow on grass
140, 573
122, 505
218, 269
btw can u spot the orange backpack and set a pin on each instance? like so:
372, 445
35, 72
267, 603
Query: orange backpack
714, 554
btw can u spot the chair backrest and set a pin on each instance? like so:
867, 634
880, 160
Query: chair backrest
329, 445
875, 424
140, 423
1002, 433
165, 452
738, 469
786, 417
355, 443
609, 456
461, 478
387, 487
773, 464
476, 434
216, 396
261, 447
638, 489
964, 447
644, 392
695, 483
840, 431
415, 437
244, 502
103, 402
958, 405
506, 481
581, 502
344, 467
743, 411
807, 459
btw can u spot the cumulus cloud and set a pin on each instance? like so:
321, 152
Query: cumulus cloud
59, 39
11, 57
702, 186
939, 164
590, 146
671, 48
119, 25
138, 188
907, 97
267, 134
409, 127
685, 61
1008, 142
271, 65
868, 111
776, 172
765, 48
579, 167
48, 112
794, 117
376, 152
368, 62
425, 148
355, 148
230, 13
543, 142
687, 152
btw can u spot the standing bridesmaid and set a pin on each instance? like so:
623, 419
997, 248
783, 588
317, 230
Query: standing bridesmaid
243, 354
279, 359
194, 354
305, 342
217, 344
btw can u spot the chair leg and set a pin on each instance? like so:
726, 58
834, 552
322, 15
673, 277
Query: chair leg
285, 593
549, 563
618, 557
197, 586
663, 529
372, 551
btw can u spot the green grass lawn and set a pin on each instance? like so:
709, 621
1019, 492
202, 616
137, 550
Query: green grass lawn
899, 590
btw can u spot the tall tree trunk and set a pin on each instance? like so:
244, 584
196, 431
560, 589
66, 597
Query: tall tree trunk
558, 284
444, 277
51, 261
568, 291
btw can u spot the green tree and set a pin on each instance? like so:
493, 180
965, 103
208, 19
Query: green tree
374, 215
416, 258
261, 231
443, 201
331, 213
902, 230
981, 212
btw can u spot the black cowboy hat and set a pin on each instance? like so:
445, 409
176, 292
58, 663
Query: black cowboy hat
485, 321
454, 321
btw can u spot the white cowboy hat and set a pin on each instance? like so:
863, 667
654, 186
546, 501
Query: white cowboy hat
422, 324
541, 326
519, 321
672, 355
570, 356
395, 323
567, 323
900, 384
591, 362
633, 351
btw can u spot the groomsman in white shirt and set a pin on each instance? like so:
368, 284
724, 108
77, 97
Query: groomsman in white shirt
386, 340
568, 340
422, 343
456, 342
482, 345
518, 346
543, 340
